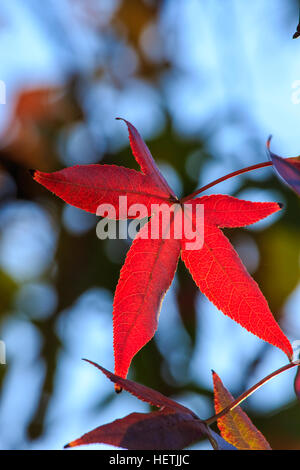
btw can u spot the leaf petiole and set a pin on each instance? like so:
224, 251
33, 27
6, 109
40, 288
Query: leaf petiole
226, 177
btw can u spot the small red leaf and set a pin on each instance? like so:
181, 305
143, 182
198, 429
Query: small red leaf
235, 426
287, 168
88, 186
144, 158
143, 393
159, 430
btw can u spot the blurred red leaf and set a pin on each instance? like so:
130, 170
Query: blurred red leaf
236, 427
37, 103
151, 262
28, 136
287, 168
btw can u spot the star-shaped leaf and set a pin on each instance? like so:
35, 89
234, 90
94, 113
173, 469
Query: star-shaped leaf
151, 261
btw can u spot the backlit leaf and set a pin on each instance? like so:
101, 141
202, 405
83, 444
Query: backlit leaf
88, 186
235, 426
151, 262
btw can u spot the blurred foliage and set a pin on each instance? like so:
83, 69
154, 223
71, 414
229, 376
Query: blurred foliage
39, 132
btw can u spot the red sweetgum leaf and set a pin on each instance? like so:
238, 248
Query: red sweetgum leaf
151, 263
143, 393
287, 168
159, 430
88, 186
144, 158
220, 275
236, 427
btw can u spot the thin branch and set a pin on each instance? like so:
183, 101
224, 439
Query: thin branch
226, 177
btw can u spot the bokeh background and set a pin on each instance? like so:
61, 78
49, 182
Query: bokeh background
205, 82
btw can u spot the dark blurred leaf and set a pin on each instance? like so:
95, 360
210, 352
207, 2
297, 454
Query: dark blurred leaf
287, 168
159, 430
